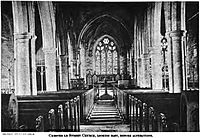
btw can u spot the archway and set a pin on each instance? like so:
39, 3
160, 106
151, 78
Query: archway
106, 59
92, 33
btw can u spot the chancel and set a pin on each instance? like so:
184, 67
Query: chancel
99, 66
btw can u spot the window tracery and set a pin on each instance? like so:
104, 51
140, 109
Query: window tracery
106, 57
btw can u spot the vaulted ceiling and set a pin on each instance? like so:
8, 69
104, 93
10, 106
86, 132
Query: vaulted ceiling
90, 21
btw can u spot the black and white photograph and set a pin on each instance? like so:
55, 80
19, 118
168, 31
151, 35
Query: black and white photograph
116, 68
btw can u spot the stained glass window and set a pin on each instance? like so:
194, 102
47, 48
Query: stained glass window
103, 62
121, 62
106, 58
115, 62
109, 62
97, 62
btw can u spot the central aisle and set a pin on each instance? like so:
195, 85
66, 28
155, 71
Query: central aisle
105, 117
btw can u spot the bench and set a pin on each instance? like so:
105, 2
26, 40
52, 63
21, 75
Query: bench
149, 110
166, 103
25, 113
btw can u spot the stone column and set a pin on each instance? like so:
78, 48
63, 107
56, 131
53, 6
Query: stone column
131, 62
70, 54
169, 57
31, 20
128, 61
139, 66
156, 51
21, 48
125, 63
64, 75
184, 41
118, 63
145, 71
142, 72
135, 53
177, 60
22, 64
50, 68
121, 65
47, 17
83, 60
175, 22
33, 66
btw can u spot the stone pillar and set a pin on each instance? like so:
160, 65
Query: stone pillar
139, 72
118, 63
31, 16
142, 72
145, 71
131, 62
125, 62
47, 18
50, 68
128, 61
21, 48
156, 53
135, 53
177, 60
184, 41
22, 64
121, 65
175, 22
33, 66
83, 60
169, 57
70, 54
64, 75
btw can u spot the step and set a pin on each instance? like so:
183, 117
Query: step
105, 123
99, 109
103, 106
105, 119
105, 101
105, 109
104, 113
105, 116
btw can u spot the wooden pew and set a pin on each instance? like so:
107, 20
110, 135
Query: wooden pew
151, 110
189, 111
165, 103
144, 118
29, 113
5, 118
69, 94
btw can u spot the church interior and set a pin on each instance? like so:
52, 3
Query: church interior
99, 66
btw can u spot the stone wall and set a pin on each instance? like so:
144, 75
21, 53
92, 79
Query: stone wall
7, 48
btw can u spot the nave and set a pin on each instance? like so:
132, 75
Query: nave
95, 110
99, 66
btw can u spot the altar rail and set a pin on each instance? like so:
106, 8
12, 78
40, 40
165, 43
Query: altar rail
87, 103
121, 98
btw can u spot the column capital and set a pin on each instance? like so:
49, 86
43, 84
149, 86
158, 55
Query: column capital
176, 33
24, 36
